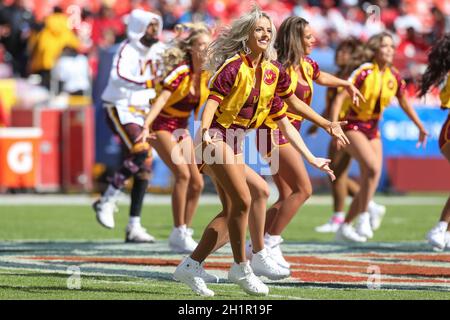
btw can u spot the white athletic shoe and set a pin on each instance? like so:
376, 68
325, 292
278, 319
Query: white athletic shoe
377, 212
207, 277
436, 236
138, 234
272, 243
181, 241
363, 227
264, 265
105, 210
332, 225
346, 233
189, 272
242, 275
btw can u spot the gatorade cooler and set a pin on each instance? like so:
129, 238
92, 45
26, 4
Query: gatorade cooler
19, 157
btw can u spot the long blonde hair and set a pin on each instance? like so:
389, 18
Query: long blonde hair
233, 39
181, 45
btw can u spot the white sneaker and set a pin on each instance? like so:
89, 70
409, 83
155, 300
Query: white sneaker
105, 210
436, 236
189, 272
242, 275
208, 277
377, 212
138, 234
272, 244
181, 241
363, 227
346, 233
264, 265
332, 225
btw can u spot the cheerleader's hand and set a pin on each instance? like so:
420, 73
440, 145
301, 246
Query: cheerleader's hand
323, 165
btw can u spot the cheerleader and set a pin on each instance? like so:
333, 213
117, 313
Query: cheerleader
438, 69
340, 160
184, 90
248, 87
294, 43
379, 82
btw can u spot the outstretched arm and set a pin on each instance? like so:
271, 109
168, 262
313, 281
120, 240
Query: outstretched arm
294, 137
333, 128
328, 80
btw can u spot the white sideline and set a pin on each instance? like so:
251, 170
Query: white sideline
325, 200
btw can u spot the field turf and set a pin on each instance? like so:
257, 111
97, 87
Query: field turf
42, 247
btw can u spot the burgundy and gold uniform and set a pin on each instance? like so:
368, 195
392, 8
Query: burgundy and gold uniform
444, 137
241, 105
182, 102
269, 136
378, 88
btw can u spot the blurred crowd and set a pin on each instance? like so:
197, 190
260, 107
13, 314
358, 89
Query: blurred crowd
61, 38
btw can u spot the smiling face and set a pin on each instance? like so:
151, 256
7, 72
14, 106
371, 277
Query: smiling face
199, 46
260, 37
385, 53
308, 40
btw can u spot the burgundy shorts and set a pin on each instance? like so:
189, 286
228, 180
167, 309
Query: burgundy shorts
233, 137
444, 137
368, 128
174, 125
267, 139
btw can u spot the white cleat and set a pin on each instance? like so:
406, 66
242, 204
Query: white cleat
189, 272
346, 233
242, 275
104, 211
264, 265
377, 212
180, 241
436, 237
332, 225
272, 244
138, 234
363, 227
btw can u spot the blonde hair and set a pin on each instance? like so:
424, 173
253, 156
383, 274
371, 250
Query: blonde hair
181, 46
233, 39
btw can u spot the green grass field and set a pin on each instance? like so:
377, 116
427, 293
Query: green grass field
61, 231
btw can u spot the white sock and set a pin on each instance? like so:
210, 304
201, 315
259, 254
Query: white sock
442, 225
134, 221
181, 228
111, 193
